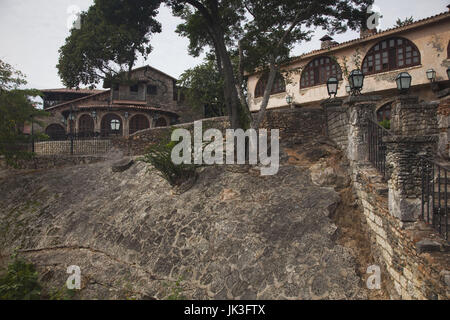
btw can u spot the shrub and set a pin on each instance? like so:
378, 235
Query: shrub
385, 124
20, 281
159, 156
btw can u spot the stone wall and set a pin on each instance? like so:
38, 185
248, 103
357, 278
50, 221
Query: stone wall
54, 161
411, 253
299, 125
338, 126
80, 147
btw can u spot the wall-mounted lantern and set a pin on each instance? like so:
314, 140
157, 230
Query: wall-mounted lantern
403, 81
431, 75
332, 86
126, 115
71, 117
348, 89
94, 115
289, 100
356, 81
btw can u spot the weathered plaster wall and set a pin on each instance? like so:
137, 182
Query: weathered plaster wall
431, 40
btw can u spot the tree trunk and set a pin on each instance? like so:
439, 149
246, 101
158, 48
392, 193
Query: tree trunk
265, 100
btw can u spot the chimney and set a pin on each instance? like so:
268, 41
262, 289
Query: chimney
327, 42
367, 32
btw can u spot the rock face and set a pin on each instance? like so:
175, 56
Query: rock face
231, 236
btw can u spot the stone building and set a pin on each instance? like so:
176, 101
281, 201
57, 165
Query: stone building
149, 98
381, 55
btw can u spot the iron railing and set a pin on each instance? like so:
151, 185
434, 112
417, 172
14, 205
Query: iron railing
435, 195
75, 143
377, 148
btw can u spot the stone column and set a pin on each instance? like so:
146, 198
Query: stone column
443, 119
360, 110
413, 128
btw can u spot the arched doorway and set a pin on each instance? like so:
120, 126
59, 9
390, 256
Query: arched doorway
55, 132
86, 125
138, 122
111, 125
161, 122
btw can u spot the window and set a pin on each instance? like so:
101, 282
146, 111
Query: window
391, 54
115, 125
319, 71
278, 85
152, 89
134, 88
138, 122
384, 113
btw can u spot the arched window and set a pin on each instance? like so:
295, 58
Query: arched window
278, 85
391, 54
161, 122
111, 125
318, 71
55, 132
384, 113
86, 124
138, 122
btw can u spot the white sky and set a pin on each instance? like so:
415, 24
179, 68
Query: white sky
32, 31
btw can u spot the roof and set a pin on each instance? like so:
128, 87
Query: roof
416, 24
78, 99
68, 90
127, 106
154, 69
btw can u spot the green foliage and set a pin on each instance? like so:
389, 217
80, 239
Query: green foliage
203, 87
385, 124
159, 156
16, 110
176, 290
20, 281
62, 293
404, 22
111, 36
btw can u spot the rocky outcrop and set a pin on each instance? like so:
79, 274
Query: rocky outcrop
231, 235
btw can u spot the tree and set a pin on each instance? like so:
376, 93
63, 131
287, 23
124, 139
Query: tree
202, 87
113, 33
261, 32
404, 22
16, 109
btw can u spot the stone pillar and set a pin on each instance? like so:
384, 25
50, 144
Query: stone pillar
413, 128
360, 110
443, 120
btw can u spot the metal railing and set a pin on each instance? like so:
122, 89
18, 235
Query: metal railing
75, 143
377, 148
435, 195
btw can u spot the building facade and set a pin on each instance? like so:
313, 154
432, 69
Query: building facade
413, 48
149, 99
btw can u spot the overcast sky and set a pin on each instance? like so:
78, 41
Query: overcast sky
31, 32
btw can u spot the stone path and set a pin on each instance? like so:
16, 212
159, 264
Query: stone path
232, 236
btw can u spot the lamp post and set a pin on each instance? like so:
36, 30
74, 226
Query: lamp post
403, 81
356, 81
289, 100
431, 75
332, 86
